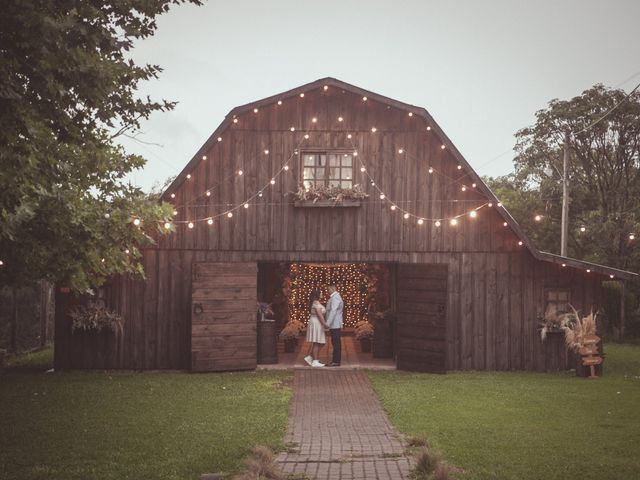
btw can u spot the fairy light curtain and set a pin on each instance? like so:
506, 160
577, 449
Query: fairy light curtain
350, 278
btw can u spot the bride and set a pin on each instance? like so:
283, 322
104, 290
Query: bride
315, 329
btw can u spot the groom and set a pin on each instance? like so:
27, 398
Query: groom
333, 317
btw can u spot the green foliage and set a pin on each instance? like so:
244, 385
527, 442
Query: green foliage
96, 318
67, 91
117, 426
604, 174
521, 425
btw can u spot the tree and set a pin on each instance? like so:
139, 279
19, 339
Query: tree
67, 91
604, 171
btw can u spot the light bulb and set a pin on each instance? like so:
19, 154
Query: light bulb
230, 214
588, 270
382, 196
175, 212
411, 114
204, 157
537, 218
364, 99
167, 225
362, 169
632, 236
442, 147
107, 215
190, 225
349, 136
210, 221
279, 102
286, 167
499, 204
564, 264
504, 224
464, 189
302, 95
429, 128
437, 223
374, 129
235, 120
208, 193
255, 110
314, 120
355, 154
520, 243
393, 207
266, 152
246, 205
240, 172
400, 150
188, 175
273, 181
219, 139
306, 135
406, 215
373, 184
490, 204
473, 185
325, 88
611, 276
420, 221
136, 222
260, 194
340, 119
473, 214
293, 129
430, 170
583, 229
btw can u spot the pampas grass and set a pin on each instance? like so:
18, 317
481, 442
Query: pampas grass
577, 329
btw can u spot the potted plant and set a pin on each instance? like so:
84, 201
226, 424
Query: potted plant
95, 318
553, 321
290, 333
267, 343
364, 333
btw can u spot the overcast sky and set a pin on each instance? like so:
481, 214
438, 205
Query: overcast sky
481, 68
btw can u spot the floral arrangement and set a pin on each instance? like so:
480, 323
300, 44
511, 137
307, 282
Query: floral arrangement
291, 330
264, 309
325, 192
364, 330
574, 327
95, 318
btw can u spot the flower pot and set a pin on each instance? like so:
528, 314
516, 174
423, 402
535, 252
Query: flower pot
290, 345
365, 345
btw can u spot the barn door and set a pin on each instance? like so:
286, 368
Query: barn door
421, 325
223, 316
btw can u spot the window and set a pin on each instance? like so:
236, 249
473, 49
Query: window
321, 169
560, 298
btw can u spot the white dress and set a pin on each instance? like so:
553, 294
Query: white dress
315, 330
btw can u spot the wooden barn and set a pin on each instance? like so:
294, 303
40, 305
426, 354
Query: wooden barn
465, 285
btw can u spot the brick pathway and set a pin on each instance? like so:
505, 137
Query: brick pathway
338, 430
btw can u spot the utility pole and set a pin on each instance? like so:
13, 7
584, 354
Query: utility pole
565, 197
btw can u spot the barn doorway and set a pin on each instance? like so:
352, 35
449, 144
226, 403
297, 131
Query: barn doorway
368, 294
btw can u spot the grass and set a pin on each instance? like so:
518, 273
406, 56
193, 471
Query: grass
129, 425
37, 360
510, 425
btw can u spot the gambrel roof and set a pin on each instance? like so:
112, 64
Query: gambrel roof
415, 110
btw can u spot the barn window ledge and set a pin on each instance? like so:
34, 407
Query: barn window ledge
326, 203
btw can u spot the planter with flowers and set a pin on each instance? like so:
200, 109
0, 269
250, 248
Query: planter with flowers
290, 334
364, 333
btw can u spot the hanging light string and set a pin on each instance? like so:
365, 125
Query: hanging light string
245, 204
395, 205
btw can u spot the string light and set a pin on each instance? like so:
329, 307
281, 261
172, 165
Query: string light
246, 205
208, 193
564, 264
136, 222
302, 95
279, 102
340, 119
499, 204
437, 223
240, 172
442, 147
429, 128
400, 150
235, 120
293, 129
349, 136
362, 169
583, 229
490, 204
126, 251
230, 214
272, 181
188, 175
107, 215
537, 218
420, 221
204, 157
255, 110
453, 222
219, 139
464, 188
306, 136
588, 270
393, 207
1, 263
167, 225
632, 236
473, 185
175, 212
286, 167
190, 225
430, 169
210, 221
374, 129
611, 276
504, 224
473, 214
411, 114
266, 152
326, 87
382, 196
406, 216
520, 243
364, 99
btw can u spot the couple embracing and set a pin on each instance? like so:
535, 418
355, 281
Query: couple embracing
322, 319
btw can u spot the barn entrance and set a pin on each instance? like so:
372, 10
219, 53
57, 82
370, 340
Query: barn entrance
405, 303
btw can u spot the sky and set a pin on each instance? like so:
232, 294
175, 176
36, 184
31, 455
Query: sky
481, 68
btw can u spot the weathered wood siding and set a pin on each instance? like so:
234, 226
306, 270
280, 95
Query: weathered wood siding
495, 286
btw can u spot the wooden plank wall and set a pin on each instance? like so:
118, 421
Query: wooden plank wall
223, 319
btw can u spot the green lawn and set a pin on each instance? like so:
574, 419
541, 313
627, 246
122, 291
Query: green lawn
525, 425
136, 426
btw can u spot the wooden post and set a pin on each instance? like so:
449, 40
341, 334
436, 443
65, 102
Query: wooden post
14, 321
44, 312
622, 312
565, 197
